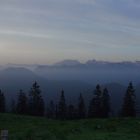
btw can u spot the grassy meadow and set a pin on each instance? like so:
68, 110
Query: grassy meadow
36, 128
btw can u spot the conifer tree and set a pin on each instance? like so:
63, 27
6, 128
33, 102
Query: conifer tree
95, 104
51, 110
105, 104
62, 108
56, 112
128, 108
81, 108
13, 106
91, 112
2, 102
71, 112
36, 102
22, 103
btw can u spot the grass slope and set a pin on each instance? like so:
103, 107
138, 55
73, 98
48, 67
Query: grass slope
35, 128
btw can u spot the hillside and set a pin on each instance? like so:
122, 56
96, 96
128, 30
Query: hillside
14, 78
32, 128
92, 71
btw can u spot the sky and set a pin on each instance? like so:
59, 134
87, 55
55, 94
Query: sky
48, 31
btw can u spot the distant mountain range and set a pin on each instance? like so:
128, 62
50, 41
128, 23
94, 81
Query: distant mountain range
91, 62
73, 79
75, 63
92, 71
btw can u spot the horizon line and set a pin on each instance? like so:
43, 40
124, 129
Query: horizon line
72, 60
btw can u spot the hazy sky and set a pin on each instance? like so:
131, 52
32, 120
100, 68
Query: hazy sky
46, 31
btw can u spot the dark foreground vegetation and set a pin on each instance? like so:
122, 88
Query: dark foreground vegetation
98, 107
63, 121
40, 128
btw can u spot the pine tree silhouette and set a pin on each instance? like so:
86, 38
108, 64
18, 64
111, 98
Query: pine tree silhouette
51, 110
62, 108
36, 102
13, 106
2, 102
81, 108
95, 104
71, 112
22, 103
105, 104
128, 108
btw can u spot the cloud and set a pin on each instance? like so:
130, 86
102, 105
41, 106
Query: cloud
81, 25
25, 34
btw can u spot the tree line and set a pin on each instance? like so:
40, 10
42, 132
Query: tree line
99, 106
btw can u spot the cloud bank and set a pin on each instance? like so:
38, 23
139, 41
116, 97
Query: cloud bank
54, 30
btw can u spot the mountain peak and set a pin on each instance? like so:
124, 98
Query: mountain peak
94, 61
68, 62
